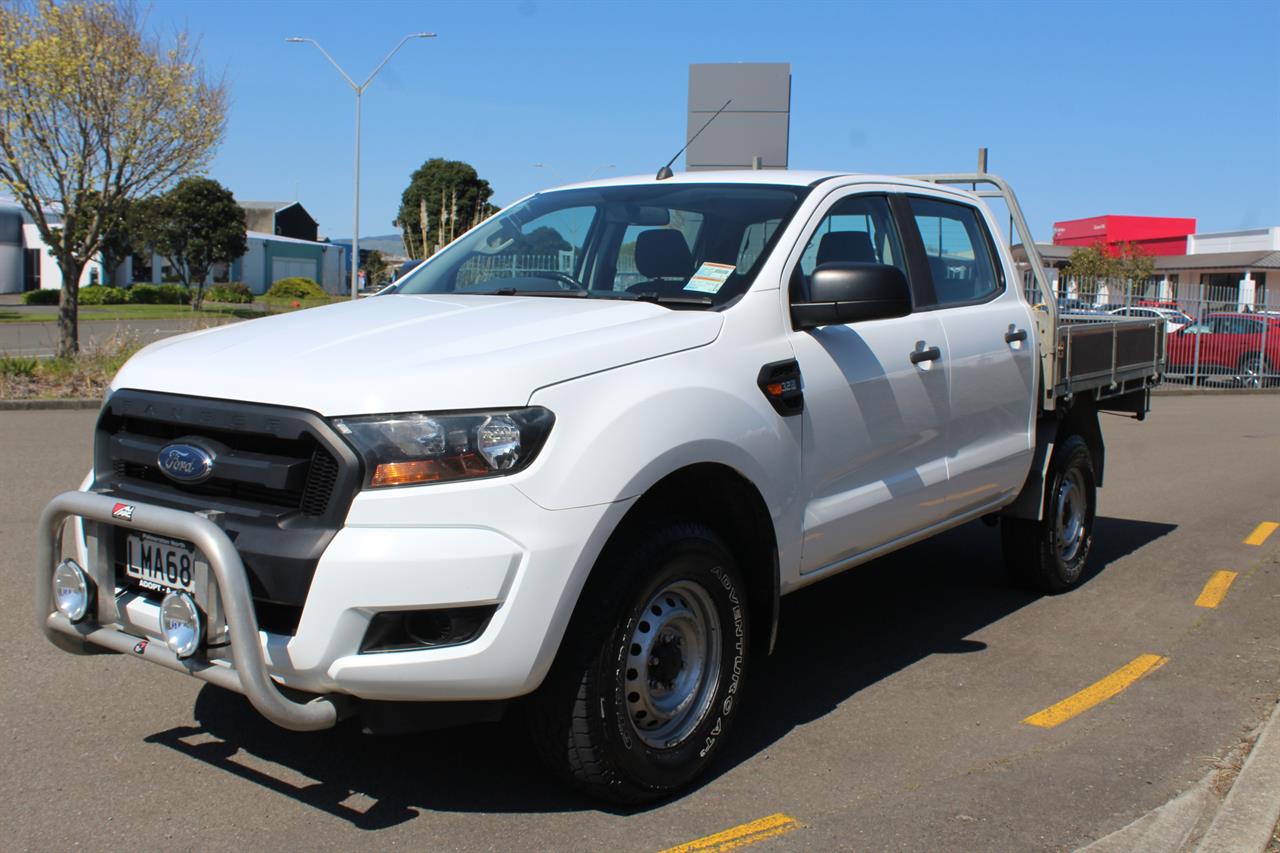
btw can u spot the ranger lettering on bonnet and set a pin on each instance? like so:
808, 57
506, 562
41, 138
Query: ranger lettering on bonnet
582, 481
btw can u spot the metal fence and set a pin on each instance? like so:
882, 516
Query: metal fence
1218, 337
480, 269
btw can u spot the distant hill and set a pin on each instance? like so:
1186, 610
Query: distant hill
387, 244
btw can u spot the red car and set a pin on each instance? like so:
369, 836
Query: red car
1159, 303
1242, 347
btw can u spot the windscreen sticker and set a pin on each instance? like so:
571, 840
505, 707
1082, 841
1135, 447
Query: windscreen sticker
710, 277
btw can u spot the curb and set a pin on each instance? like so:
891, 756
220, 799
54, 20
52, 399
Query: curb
1252, 807
34, 405
1166, 828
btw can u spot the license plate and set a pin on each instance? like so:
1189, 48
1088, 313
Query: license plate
160, 564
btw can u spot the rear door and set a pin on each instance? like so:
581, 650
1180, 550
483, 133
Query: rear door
990, 339
874, 441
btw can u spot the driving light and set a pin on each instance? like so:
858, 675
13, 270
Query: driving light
417, 447
180, 624
72, 590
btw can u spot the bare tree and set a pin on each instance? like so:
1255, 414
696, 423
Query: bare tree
93, 113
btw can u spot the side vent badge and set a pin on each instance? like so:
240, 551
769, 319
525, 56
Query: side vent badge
780, 381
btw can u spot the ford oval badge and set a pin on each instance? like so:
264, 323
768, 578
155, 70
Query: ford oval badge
185, 463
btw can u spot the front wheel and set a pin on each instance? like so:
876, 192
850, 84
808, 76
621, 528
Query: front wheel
1049, 555
652, 669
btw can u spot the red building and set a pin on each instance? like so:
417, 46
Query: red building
1158, 235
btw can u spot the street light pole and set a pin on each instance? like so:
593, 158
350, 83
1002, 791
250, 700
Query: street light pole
359, 90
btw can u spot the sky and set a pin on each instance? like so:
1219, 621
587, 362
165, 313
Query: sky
1088, 108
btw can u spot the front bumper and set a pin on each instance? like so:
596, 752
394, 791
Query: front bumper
384, 559
249, 674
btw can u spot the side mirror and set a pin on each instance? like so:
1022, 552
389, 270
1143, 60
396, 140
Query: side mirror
850, 292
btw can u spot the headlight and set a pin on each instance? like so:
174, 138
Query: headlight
429, 448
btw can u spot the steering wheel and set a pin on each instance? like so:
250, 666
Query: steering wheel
566, 281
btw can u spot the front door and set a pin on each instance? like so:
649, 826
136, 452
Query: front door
874, 443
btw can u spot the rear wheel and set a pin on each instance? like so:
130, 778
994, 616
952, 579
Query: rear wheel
1049, 555
652, 669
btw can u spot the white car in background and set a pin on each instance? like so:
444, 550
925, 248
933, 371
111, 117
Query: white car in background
1173, 320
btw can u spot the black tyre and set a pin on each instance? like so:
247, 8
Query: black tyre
1049, 555
651, 672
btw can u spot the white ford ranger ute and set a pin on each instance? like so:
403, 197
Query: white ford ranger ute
576, 458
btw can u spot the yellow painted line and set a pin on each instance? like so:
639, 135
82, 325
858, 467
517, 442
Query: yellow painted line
1216, 589
1096, 693
741, 835
1261, 532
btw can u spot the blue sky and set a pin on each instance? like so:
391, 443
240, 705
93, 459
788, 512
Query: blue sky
1169, 108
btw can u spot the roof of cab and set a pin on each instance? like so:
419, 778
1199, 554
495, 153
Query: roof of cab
774, 177
790, 177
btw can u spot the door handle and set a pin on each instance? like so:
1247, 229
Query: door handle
1011, 336
930, 354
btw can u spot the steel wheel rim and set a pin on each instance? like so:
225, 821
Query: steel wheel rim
672, 668
1070, 514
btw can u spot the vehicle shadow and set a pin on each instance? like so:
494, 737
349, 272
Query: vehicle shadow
836, 638
853, 630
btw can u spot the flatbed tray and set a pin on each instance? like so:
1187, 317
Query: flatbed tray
1107, 355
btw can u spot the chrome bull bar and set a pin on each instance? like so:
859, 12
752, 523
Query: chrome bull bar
248, 673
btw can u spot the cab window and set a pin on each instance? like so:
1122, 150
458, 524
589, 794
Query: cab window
687, 222
958, 248
857, 229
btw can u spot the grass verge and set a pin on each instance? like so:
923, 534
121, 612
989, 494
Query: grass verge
86, 375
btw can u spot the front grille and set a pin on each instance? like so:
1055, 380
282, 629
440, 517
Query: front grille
250, 493
317, 470
282, 480
321, 478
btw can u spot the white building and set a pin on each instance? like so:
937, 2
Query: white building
25, 262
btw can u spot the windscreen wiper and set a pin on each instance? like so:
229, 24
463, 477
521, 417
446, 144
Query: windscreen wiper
673, 300
511, 291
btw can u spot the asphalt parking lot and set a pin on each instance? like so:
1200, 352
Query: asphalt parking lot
893, 715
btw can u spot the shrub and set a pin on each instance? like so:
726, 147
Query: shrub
40, 297
234, 292
159, 294
18, 365
295, 288
174, 294
144, 294
98, 295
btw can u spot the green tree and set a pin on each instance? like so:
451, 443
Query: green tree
89, 103
453, 197
193, 226
1089, 265
1134, 266
375, 268
116, 242
543, 241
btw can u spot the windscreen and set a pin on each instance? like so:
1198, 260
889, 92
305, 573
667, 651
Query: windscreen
683, 245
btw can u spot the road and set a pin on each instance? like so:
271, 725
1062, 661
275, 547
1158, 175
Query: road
891, 716
41, 339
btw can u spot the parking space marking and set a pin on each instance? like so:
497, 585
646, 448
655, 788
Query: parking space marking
1215, 589
1096, 693
741, 835
1261, 532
